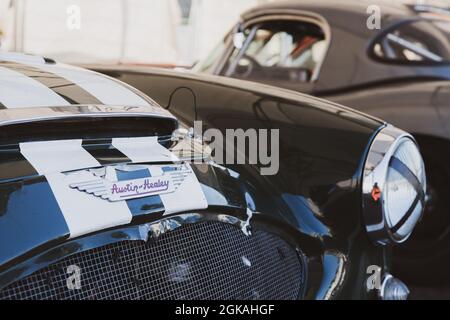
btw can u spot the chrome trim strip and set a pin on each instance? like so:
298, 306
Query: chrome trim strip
24, 115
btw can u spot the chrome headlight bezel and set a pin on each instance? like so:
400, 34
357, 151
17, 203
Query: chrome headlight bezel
374, 186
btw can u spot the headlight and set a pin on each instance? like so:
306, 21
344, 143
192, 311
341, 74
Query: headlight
393, 186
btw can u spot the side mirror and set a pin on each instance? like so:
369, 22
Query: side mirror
238, 40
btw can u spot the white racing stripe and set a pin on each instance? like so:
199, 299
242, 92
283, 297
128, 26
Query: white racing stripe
188, 196
18, 90
143, 149
83, 212
104, 89
57, 156
20, 57
108, 91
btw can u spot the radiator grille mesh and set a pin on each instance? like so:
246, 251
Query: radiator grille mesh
207, 260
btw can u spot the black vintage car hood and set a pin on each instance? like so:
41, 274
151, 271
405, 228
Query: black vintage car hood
41, 206
314, 198
323, 145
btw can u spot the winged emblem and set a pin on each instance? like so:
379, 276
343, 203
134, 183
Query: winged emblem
108, 189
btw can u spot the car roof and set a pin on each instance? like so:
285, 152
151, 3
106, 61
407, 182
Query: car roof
332, 10
347, 62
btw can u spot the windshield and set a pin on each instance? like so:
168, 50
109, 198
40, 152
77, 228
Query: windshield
210, 61
278, 50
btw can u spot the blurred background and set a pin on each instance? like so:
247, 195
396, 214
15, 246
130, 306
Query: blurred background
157, 32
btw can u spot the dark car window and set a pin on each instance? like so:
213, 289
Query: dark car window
278, 51
423, 41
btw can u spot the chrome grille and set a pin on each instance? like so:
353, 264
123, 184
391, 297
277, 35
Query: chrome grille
207, 260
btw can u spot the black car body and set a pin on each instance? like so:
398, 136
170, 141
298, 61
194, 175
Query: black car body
231, 233
318, 140
398, 71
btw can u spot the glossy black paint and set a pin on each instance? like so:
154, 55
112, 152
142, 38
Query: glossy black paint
36, 236
25, 225
412, 96
322, 149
